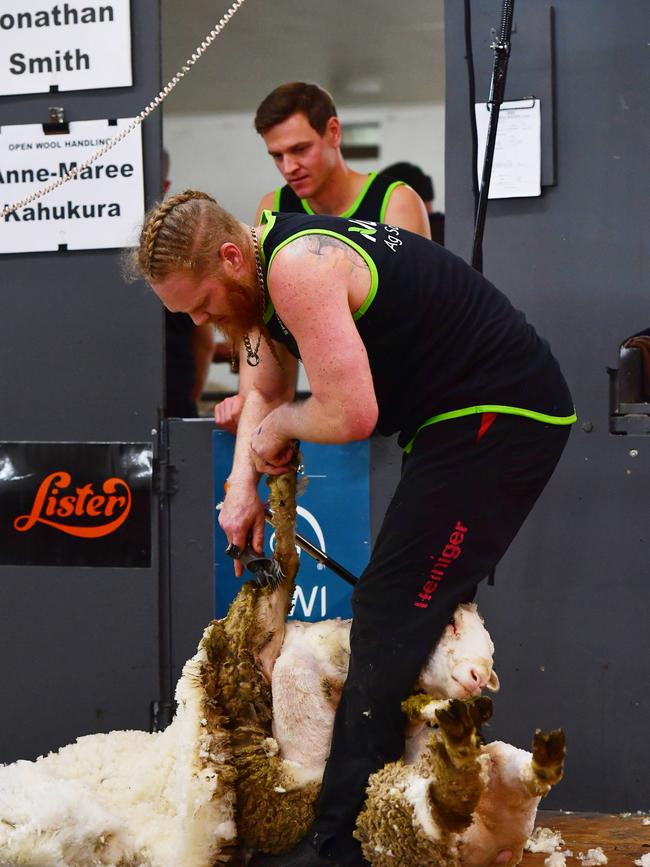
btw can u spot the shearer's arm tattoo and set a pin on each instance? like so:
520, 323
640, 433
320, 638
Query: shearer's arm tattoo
316, 245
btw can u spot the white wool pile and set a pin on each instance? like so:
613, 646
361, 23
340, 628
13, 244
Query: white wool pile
544, 840
128, 797
47, 822
593, 858
556, 859
644, 860
646, 822
203, 811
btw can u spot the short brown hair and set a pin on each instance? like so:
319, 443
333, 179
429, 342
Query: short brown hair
287, 99
182, 233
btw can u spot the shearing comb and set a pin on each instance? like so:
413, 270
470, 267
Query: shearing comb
266, 571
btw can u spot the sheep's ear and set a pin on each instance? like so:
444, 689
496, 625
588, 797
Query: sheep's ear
493, 683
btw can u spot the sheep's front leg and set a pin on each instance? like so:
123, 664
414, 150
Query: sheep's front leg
273, 605
413, 812
453, 764
547, 763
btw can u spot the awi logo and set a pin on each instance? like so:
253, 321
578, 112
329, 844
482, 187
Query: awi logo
307, 593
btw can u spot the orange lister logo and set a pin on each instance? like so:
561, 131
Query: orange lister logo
111, 507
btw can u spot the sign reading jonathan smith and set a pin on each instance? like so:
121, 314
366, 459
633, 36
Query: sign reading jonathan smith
101, 207
75, 45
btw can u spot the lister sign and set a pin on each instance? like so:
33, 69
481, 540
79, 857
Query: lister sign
101, 207
75, 45
75, 504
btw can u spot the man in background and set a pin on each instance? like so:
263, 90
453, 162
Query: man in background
302, 132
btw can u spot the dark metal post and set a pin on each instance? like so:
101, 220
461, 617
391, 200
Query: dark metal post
497, 89
162, 710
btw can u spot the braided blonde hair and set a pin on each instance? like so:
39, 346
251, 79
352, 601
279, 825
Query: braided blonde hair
183, 233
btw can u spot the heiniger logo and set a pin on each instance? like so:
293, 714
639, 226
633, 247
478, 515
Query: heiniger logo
452, 551
81, 511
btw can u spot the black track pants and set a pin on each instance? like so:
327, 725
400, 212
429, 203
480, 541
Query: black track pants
464, 492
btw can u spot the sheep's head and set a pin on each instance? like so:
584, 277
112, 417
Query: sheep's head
461, 663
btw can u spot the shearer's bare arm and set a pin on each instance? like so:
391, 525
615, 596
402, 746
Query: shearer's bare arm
269, 385
316, 283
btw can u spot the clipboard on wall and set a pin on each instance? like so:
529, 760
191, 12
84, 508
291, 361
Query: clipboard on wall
516, 169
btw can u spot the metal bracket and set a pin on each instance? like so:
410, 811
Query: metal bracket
57, 124
165, 479
629, 413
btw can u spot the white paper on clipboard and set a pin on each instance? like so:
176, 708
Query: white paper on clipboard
517, 166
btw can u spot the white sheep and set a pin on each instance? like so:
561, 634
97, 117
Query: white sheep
157, 800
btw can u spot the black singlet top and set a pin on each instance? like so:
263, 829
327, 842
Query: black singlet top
442, 341
370, 204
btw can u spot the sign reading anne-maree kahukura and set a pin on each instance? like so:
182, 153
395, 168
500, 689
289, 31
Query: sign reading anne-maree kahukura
75, 504
74, 45
102, 207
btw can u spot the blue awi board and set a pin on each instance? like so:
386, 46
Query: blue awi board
333, 514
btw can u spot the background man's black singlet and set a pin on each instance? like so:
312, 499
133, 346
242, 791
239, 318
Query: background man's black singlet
370, 204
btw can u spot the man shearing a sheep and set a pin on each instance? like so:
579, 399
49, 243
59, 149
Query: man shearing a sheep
397, 335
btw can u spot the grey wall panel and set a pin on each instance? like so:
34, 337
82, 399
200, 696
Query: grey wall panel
81, 359
78, 654
191, 537
567, 613
80, 350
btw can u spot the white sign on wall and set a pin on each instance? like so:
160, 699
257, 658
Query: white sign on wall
72, 45
517, 167
102, 207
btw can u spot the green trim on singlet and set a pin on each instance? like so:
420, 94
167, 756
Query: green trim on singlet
387, 195
374, 275
276, 199
504, 410
268, 221
350, 211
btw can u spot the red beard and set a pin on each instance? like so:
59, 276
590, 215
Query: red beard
244, 312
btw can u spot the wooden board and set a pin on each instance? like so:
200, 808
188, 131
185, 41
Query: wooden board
622, 838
